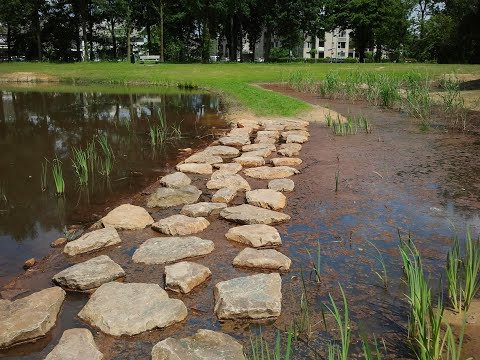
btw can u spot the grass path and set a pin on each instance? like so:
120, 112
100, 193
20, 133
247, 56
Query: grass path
231, 80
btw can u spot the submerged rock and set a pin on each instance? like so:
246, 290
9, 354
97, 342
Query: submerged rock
204, 345
92, 241
266, 198
203, 209
268, 173
29, 263
170, 249
268, 259
167, 197
29, 318
180, 225
184, 276
251, 297
58, 242
284, 185
249, 214
128, 217
75, 344
131, 308
255, 235
175, 180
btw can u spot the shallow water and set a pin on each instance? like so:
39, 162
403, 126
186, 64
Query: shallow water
38, 126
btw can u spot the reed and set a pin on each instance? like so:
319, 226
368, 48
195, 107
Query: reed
43, 175
58, 176
80, 164
260, 349
316, 262
329, 119
340, 351
108, 156
337, 180
471, 267
91, 156
383, 276
367, 350
454, 276
330, 86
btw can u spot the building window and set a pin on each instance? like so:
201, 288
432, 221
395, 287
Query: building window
308, 45
343, 34
341, 45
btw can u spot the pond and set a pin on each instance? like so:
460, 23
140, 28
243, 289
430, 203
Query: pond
37, 127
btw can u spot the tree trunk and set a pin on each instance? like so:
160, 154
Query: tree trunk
129, 50
114, 39
38, 39
149, 39
205, 43
78, 41
162, 58
90, 35
252, 47
9, 47
378, 53
361, 54
240, 45
84, 30
232, 49
267, 44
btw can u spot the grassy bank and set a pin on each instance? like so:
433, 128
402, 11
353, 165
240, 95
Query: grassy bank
231, 80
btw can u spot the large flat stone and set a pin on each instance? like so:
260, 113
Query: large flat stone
127, 217
266, 198
249, 160
286, 134
257, 236
175, 180
224, 195
75, 344
255, 147
180, 225
193, 168
131, 308
230, 168
284, 185
267, 259
290, 149
261, 152
286, 161
251, 297
184, 276
89, 274
223, 151
170, 249
167, 197
249, 214
92, 241
203, 209
234, 140
233, 181
268, 173
203, 157
297, 138
29, 318
204, 345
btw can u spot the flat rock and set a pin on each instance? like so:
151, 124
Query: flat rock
59, 242
296, 125
265, 140
180, 225
166, 250
249, 214
223, 151
255, 147
224, 195
75, 344
184, 276
290, 149
241, 131
193, 168
89, 274
268, 173
297, 138
168, 197
249, 160
261, 152
255, 235
131, 308
127, 217
267, 259
266, 198
268, 134
285, 134
286, 161
284, 185
203, 345
175, 180
234, 140
92, 241
233, 181
230, 168
251, 297
203, 158
29, 318
203, 209
274, 127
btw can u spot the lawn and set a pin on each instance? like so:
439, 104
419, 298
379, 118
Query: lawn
231, 80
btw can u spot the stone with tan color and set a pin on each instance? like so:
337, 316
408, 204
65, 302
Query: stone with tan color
203, 157
222, 151
175, 180
268, 173
131, 308
241, 131
260, 152
224, 195
193, 168
203, 209
29, 318
274, 127
255, 147
92, 241
75, 344
256, 236
298, 139
249, 160
249, 214
230, 168
184, 276
265, 140
285, 134
266, 198
180, 225
234, 140
283, 185
167, 197
286, 161
290, 149
266, 259
250, 297
233, 181
127, 217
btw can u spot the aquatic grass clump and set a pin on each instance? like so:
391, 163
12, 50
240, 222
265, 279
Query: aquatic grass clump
454, 276
302, 80
58, 176
388, 91
316, 261
367, 350
329, 119
80, 164
382, 276
106, 164
340, 351
351, 125
43, 175
330, 86
261, 351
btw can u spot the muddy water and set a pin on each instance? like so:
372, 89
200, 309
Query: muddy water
35, 126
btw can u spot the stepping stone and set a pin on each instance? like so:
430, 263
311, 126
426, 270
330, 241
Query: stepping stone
251, 297
89, 274
268, 173
285, 134
180, 225
289, 149
230, 168
202, 169
299, 139
241, 131
234, 181
261, 152
255, 235
249, 214
268, 259
203, 158
203, 209
29, 318
224, 195
167, 197
268, 134
265, 140
75, 344
246, 160
166, 250
203, 345
175, 180
286, 161
284, 185
274, 127
255, 147
296, 125
128, 217
234, 140
248, 123
92, 241
184, 276
131, 308
266, 198
223, 151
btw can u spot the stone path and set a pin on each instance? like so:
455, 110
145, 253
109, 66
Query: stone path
118, 309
